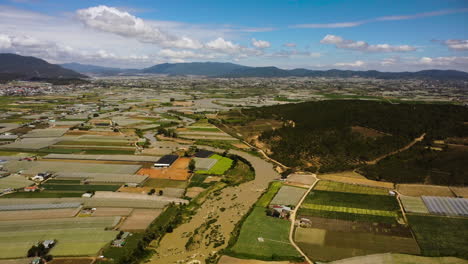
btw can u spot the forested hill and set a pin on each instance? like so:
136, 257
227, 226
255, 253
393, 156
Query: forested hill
13, 66
338, 135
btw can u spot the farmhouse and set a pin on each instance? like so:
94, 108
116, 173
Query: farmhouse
166, 161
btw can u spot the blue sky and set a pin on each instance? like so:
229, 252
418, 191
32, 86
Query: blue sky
317, 34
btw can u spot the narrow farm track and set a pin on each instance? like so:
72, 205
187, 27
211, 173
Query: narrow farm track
293, 220
227, 208
416, 140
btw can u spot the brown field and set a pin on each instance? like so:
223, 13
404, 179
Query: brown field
460, 191
231, 260
354, 178
194, 191
240, 145
387, 258
72, 261
111, 211
177, 171
360, 227
135, 189
140, 219
38, 214
326, 245
301, 179
421, 189
367, 132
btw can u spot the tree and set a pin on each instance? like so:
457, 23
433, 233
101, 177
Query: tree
95, 115
160, 192
151, 192
191, 165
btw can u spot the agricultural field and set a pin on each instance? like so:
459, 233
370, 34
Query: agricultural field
80, 187
14, 181
422, 189
413, 205
164, 183
332, 186
219, 168
75, 236
43, 194
139, 220
440, 236
329, 245
351, 206
390, 258
116, 254
37, 214
264, 237
288, 195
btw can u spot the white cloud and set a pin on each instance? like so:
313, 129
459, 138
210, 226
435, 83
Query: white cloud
112, 20
289, 45
294, 52
184, 54
383, 18
261, 44
220, 44
457, 44
443, 61
341, 43
5, 41
357, 63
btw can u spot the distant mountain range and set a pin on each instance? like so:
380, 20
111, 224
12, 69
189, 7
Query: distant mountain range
231, 70
13, 66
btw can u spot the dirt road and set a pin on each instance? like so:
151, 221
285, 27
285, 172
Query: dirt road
210, 228
416, 140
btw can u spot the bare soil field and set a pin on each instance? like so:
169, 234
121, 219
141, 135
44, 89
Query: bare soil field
460, 191
38, 214
111, 211
421, 189
194, 191
231, 260
354, 178
240, 145
139, 219
301, 179
360, 227
181, 163
135, 189
170, 173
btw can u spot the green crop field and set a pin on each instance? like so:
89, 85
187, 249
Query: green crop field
80, 187
440, 236
351, 206
117, 253
70, 241
266, 198
274, 232
348, 188
220, 167
197, 181
164, 183
414, 204
204, 129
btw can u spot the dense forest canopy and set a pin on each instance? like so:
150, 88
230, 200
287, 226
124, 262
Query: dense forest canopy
320, 135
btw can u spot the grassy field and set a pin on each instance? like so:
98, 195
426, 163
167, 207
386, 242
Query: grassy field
220, 167
440, 236
348, 188
116, 253
240, 173
75, 236
274, 231
197, 181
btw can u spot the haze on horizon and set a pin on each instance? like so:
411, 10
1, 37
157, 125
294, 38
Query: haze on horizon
357, 35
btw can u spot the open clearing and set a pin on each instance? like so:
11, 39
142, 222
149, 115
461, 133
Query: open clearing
139, 219
422, 189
